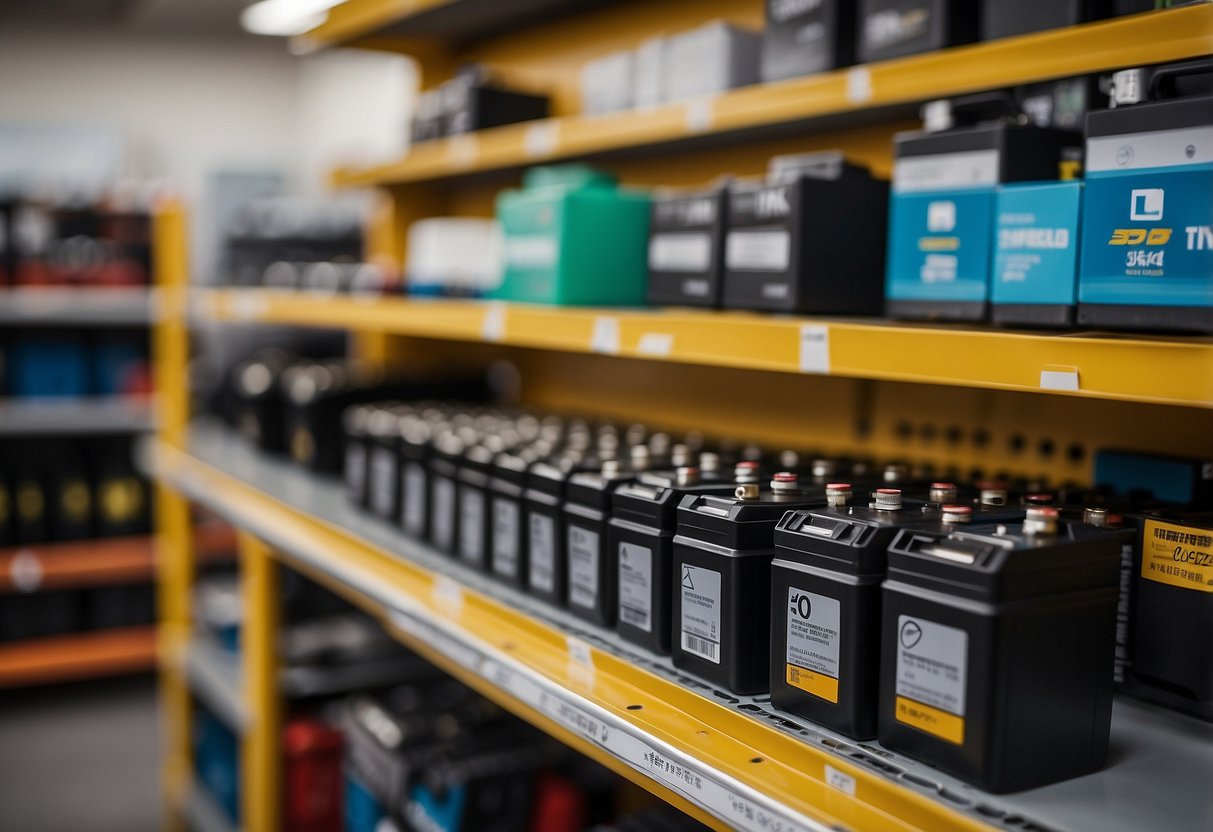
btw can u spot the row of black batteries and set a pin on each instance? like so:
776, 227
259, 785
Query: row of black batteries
909, 611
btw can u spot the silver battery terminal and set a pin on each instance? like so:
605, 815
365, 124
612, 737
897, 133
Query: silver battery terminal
886, 499
1096, 517
943, 493
1040, 521
785, 482
956, 514
838, 494
686, 476
747, 491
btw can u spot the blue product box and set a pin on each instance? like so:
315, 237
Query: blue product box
1036, 253
48, 365
362, 811
217, 762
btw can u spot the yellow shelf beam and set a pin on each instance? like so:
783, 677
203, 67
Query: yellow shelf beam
261, 744
1153, 37
1158, 370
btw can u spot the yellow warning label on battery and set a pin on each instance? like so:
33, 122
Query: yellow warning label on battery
812, 682
942, 724
1177, 555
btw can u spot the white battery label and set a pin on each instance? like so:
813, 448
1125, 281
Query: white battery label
583, 567
383, 475
813, 633
355, 467
543, 552
636, 586
758, 251
413, 485
700, 622
531, 251
471, 524
685, 252
442, 518
932, 669
505, 537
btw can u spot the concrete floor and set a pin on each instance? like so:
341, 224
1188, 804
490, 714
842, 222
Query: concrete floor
82, 756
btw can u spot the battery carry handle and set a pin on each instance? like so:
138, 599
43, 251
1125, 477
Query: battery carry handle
978, 108
1162, 82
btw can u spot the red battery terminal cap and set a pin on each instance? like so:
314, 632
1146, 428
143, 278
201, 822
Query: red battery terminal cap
746, 472
785, 481
1040, 520
957, 514
943, 485
838, 493
887, 499
1039, 499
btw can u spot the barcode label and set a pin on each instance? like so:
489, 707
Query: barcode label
700, 647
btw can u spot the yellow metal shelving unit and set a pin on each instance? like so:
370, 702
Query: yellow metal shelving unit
962, 397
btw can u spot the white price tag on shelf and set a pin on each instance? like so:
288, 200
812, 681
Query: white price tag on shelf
605, 335
859, 85
25, 571
815, 349
840, 780
659, 344
462, 151
541, 139
579, 651
436, 639
493, 327
700, 113
448, 595
248, 306
1059, 378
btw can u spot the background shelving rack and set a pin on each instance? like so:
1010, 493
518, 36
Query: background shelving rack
1004, 402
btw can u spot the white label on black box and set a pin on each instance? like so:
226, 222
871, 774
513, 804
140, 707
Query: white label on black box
413, 483
944, 171
355, 467
383, 475
543, 553
758, 251
442, 521
701, 612
686, 252
932, 661
583, 567
813, 623
471, 524
505, 536
636, 586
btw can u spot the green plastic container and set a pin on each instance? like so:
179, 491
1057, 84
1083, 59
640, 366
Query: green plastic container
573, 237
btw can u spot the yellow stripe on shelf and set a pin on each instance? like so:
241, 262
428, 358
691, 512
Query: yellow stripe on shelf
1159, 370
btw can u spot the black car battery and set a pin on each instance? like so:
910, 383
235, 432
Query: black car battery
541, 569
354, 426
793, 245
471, 498
442, 471
507, 488
31, 490
1002, 20
472, 101
640, 538
1172, 613
825, 601
686, 247
722, 562
129, 605
416, 450
1063, 103
40, 614
259, 404
71, 490
122, 499
802, 38
591, 567
893, 28
997, 650
316, 395
383, 460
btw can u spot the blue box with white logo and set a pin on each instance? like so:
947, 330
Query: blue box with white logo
943, 211
1147, 243
1035, 280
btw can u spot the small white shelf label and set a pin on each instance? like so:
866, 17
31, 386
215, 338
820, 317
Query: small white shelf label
541, 139
605, 335
658, 344
1059, 378
815, 349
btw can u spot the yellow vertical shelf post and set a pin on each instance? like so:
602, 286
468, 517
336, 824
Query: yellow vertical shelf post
260, 755
174, 541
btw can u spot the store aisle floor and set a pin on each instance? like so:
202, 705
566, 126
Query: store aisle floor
82, 756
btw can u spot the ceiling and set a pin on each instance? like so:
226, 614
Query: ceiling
203, 17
